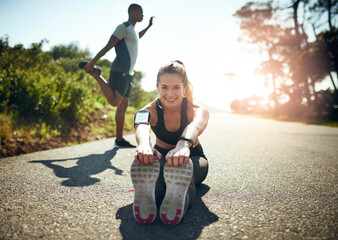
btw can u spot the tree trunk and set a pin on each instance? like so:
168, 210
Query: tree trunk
299, 47
274, 98
329, 6
266, 85
334, 85
295, 20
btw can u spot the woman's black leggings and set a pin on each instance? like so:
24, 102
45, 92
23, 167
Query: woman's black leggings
200, 164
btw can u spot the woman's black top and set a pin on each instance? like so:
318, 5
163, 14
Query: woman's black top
161, 131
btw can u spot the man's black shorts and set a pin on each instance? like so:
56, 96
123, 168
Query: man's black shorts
120, 82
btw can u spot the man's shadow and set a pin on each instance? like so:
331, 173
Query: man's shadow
197, 217
80, 175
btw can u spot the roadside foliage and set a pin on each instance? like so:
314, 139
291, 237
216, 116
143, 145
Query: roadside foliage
44, 93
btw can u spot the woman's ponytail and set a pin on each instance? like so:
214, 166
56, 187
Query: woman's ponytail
188, 94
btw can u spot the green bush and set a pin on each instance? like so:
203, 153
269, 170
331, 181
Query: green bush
44, 93
54, 99
41, 90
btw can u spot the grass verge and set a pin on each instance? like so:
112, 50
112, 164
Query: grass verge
99, 124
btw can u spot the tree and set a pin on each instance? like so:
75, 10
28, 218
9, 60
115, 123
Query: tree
293, 62
298, 69
258, 24
329, 6
70, 50
329, 37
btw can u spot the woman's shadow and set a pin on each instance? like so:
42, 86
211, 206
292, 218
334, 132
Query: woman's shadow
196, 218
80, 175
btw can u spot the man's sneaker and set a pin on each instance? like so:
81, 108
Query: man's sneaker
84, 63
144, 177
123, 144
177, 180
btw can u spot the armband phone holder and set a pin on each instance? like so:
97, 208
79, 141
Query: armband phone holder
142, 117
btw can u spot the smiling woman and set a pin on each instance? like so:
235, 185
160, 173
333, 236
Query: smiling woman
167, 174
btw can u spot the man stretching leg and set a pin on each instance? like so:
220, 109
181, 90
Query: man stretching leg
117, 90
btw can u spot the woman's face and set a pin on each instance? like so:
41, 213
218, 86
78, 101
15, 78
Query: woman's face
171, 89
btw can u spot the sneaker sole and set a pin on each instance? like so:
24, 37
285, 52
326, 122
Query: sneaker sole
84, 63
144, 179
117, 146
177, 180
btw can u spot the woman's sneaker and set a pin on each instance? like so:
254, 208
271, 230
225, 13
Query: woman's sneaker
144, 177
84, 63
177, 180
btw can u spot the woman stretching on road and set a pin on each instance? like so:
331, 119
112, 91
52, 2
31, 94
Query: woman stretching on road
166, 174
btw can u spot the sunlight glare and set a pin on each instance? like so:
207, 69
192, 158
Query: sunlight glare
238, 80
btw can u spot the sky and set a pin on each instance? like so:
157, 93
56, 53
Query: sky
202, 34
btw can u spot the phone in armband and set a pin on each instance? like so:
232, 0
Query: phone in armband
142, 117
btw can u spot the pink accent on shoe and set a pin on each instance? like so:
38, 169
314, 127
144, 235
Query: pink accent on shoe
175, 220
191, 186
150, 218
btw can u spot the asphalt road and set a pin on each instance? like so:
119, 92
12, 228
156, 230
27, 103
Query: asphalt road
267, 180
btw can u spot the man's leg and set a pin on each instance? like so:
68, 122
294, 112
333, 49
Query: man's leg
114, 98
120, 142
119, 117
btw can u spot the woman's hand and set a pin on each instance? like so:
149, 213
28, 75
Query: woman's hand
179, 156
146, 155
